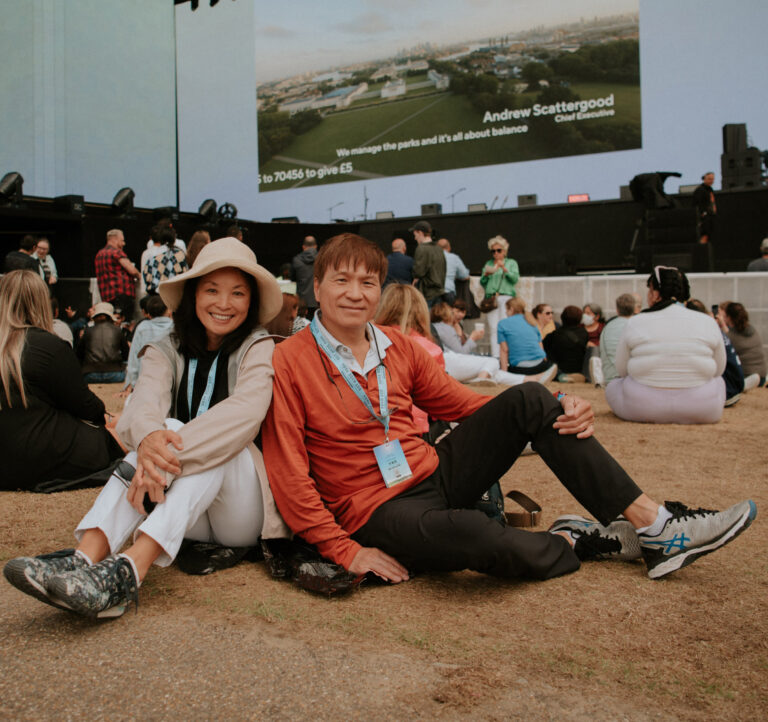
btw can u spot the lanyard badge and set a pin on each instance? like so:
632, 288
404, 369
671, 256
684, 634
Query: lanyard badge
205, 400
389, 455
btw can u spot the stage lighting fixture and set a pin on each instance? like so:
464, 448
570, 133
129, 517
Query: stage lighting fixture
122, 203
381, 215
208, 210
227, 212
10, 188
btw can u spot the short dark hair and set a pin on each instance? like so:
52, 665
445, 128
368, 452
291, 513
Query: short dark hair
571, 316
353, 250
189, 332
164, 235
155, 306
28, 242
738, 315
460, 305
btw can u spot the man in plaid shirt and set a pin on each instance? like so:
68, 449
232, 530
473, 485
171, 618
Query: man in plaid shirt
115, 274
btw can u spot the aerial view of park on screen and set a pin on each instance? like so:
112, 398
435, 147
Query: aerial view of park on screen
445, 96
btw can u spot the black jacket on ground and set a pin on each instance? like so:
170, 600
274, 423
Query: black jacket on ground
61, 434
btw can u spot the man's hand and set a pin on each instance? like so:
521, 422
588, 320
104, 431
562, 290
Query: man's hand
143, 484
577, 418
370, 559
154, 454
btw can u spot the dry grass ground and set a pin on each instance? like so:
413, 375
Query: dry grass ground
604, 643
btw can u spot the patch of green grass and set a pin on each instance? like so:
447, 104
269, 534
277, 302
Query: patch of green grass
424, 117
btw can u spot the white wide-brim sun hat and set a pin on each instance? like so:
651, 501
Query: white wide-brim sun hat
224, 253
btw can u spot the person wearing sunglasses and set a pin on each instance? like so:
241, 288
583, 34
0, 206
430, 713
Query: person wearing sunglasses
499, 278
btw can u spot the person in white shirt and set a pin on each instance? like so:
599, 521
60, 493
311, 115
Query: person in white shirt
669, 359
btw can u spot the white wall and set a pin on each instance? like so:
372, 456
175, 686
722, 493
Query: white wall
87, 98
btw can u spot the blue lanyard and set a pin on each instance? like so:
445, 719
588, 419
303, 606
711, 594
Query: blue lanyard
381, 376
205, 400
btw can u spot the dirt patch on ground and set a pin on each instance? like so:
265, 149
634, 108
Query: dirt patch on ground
603, 643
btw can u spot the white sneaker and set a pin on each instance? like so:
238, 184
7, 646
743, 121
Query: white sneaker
596, 371
751, 382
548, 375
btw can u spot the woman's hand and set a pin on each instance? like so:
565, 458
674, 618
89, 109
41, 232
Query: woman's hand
371, 559
578, 417
477, 334
141, 485
154, 454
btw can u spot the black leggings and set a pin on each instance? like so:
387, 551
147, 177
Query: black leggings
432, 525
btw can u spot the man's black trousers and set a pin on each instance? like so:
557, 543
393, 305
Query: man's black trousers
432, 526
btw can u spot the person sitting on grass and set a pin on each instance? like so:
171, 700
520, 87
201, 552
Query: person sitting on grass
214, 377
520, 348
352, 475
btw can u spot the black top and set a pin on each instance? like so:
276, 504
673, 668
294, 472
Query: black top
566, 347
220, 387
16, 260
48, 440
399, 268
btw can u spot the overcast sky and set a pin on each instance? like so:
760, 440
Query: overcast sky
297, 36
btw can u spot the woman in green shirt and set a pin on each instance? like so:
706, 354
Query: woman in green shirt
500, 275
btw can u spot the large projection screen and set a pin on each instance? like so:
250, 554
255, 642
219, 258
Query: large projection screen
361, 94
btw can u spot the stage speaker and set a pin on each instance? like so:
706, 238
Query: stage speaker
625, 194
527, 200
474, 207
381, 215
431, 209
74, 205
746, 161
734, 137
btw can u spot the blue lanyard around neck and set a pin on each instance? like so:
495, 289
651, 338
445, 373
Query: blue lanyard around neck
205, 400
381, 376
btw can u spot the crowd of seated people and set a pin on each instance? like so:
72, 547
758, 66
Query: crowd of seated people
669, 364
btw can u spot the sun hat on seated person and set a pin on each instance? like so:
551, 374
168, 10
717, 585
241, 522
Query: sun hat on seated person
103, 309
223, 253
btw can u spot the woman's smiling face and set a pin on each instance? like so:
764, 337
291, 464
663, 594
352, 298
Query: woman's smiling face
222, 300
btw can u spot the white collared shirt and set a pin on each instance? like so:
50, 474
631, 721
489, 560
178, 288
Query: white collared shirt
378, 343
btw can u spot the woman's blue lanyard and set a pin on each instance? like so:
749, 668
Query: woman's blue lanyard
381, 376
205, 400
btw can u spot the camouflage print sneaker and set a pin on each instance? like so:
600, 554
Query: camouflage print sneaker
691, 533
102, 590
595, 542
31, 575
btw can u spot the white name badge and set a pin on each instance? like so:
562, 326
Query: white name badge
392, 464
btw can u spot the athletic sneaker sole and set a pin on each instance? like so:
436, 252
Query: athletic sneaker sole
16, 575
683, 559
116, 611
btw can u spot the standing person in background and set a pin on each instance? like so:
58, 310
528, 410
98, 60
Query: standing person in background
704, 198
760, 264
499, 278
454, 270
47, 264
23, 258
609, 339
399, 265
428, 264
199, 240
303, 270
164, 260
115, 273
